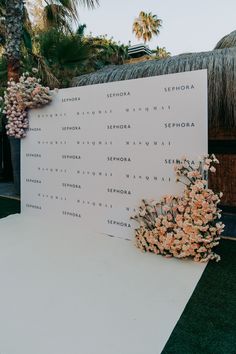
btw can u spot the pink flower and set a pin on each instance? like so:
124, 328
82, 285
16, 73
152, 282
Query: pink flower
208, 161
184, 226
181, 208
166, 208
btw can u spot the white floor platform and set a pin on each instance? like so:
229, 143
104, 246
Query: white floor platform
66, 292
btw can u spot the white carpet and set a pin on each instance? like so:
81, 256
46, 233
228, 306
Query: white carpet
79, 293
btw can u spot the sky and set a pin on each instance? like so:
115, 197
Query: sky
188, 26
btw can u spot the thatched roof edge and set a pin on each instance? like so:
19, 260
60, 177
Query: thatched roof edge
221, 66
227, 41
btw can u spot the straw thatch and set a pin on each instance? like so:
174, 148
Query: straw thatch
221, 66
227, 41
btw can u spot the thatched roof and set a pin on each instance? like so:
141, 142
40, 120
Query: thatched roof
220, 63
227, 41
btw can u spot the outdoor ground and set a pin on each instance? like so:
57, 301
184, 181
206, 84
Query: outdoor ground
208, 323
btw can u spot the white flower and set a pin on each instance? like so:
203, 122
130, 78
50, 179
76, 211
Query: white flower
212, 169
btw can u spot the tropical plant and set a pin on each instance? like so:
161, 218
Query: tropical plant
81, 29
56, 13
105, 52
15, 24
146, 25
162, 53
65, 55
60, 56
15, 18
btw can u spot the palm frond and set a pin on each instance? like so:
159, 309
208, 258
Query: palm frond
27, 39
71, 6
56, 16
75, 3
46, 73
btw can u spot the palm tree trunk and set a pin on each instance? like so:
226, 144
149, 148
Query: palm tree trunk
14, 28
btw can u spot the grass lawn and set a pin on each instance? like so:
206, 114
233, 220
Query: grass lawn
208, 323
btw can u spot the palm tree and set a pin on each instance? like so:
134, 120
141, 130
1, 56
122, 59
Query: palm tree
14, 28
14, 14
63, 11
162, 53
146, 25
58, 13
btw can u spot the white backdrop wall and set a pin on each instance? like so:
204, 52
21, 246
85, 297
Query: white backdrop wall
96, 151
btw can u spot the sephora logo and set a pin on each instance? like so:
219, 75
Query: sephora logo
122, 126
70, 99
70, 128
118, 94
71, 185
71, 157
179, 88
118, 223
34, 129
30, 180
33, 206
180, 125
177, 161
119, 191
32, 155
73, 214
120, 159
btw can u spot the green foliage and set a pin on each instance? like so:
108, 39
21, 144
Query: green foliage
65, 54
69, 55
27, 40
3, 71
2, 7
80, 30
56, 16
106, 52
60, 56
61, 13
162, 53
58, 52
61, 49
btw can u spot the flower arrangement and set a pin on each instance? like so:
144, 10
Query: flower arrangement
187, 225
19, 98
